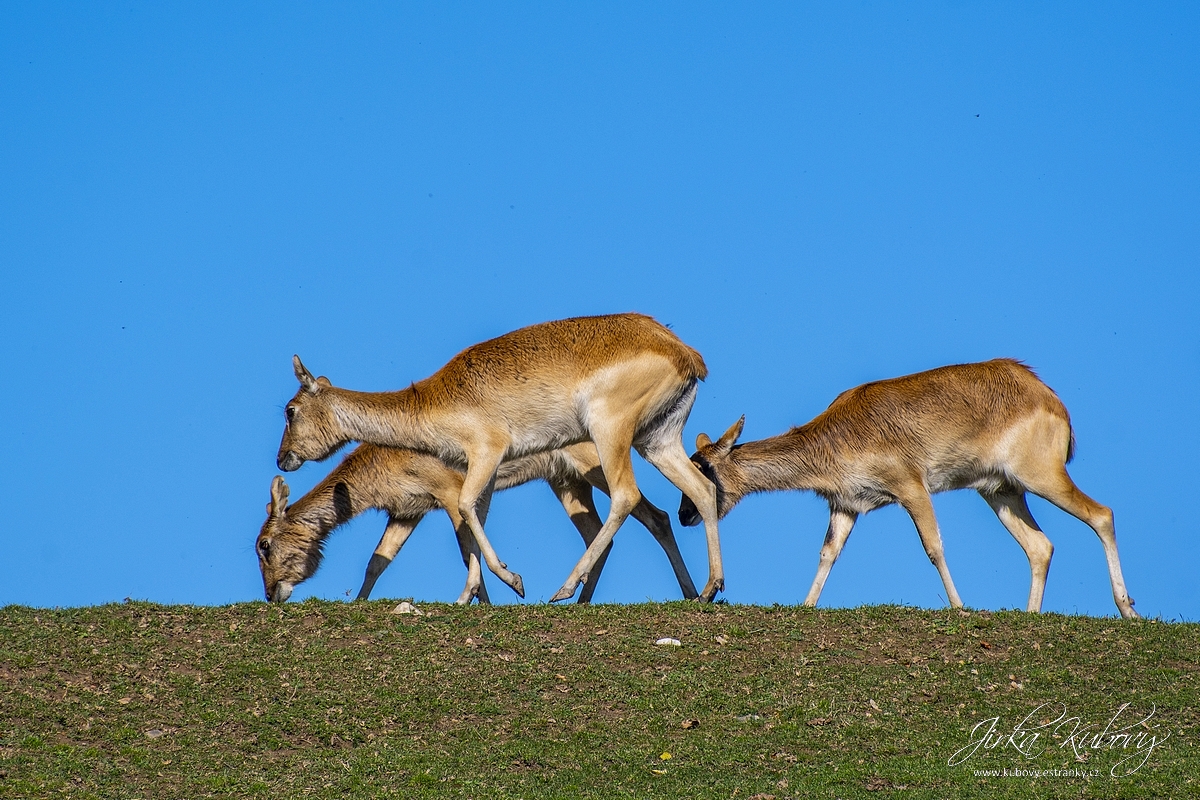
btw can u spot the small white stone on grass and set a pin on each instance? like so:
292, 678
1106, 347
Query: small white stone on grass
669, 642
408, 608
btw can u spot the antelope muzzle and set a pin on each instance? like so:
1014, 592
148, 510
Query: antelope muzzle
288, 461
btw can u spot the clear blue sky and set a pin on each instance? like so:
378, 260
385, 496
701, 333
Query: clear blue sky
812, 195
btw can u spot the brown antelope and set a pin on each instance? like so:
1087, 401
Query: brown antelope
619, 381
993, 427
407, 485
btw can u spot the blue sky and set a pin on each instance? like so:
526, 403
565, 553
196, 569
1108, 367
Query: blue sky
812, 195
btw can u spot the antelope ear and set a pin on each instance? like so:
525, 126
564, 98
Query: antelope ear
304, 376
279, 496
702, 441
730, 437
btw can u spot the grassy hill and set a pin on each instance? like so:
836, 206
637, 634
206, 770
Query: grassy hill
340, 700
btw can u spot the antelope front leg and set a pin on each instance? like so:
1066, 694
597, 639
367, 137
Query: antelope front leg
395, 534
469, 548
920, 507
475, 588
840, 525
478, 485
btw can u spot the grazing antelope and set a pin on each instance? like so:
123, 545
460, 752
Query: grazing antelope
993, 427
407, 485
619, 381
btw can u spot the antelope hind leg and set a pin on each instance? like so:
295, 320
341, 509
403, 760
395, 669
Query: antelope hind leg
1013, 512
669, 458
618, 472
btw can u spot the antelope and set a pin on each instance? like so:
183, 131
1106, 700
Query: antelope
407, 485
993, 427
621, 381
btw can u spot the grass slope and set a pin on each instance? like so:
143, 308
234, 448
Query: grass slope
340, 700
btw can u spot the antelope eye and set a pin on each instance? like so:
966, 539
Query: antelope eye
291, 413
264, 548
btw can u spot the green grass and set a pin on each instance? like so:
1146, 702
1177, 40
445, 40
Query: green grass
337, 700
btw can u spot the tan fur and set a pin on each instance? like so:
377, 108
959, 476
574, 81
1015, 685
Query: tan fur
993, 427
407, 485
619, 381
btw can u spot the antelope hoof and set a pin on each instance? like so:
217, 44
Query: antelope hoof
710, 591
565, 593
512, 579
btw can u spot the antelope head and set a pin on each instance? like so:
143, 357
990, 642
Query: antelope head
713, 460
310, 432
287, 554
